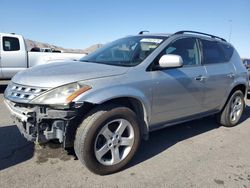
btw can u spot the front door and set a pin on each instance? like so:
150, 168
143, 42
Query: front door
179, 92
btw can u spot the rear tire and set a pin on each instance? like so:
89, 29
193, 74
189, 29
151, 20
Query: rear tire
107, 139
233, 110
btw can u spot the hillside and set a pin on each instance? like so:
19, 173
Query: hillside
31, 44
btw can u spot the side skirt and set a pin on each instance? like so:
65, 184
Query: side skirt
181, 120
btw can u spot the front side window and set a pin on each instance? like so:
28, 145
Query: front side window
11, 44
212, 53
187, 48
129, 51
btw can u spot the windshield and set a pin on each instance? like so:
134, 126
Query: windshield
129, 51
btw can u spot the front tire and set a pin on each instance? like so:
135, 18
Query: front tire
107, 139
233, 110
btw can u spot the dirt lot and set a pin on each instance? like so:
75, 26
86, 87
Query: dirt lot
195, 154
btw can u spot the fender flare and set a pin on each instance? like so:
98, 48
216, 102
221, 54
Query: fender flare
103, 95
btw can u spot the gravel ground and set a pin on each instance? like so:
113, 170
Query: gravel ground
195, 154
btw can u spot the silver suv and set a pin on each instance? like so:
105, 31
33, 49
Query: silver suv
104, 104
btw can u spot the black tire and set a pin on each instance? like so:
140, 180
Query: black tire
87, 133
224, 116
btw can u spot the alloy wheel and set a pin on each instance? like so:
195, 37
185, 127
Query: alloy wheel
114, 142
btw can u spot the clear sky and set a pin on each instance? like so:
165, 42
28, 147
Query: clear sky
81, 23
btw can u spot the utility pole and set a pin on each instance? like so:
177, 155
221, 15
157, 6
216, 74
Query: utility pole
230, 29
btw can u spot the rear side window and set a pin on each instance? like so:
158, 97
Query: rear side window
228, 51
212, 53
11, 44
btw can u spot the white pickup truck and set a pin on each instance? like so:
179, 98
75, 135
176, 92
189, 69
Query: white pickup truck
14, 56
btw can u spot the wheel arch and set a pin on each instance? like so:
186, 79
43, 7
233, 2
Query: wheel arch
135, 105
134, 98
240, 86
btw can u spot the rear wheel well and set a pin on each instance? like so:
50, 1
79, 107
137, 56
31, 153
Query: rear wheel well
240, 87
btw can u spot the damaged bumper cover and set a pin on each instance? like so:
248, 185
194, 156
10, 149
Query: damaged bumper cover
41, 123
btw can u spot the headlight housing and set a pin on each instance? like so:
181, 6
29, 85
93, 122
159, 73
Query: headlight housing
62, 95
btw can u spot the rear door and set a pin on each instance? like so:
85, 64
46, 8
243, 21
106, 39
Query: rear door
13, 56
220, 74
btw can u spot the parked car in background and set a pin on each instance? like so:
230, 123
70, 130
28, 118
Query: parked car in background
14, 56
37, 49
106, 103
46, 50
246, 62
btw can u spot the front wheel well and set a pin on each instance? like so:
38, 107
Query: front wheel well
136, 106
132, 103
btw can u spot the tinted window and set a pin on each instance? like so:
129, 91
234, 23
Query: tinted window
212, 53
187, 48
11, 44
228, 51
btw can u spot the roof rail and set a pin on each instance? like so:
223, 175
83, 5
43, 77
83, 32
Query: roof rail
212, 36
142, 32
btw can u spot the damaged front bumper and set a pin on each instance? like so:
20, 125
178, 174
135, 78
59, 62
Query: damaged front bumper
24, 118
41, 123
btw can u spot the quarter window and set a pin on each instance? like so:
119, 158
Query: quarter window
212, 53
11, 44
187, 48
228, 51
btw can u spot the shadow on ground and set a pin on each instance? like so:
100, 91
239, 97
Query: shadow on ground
14, 148
2, 88
161, 140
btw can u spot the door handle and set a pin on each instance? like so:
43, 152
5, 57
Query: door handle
200, 78
231, 75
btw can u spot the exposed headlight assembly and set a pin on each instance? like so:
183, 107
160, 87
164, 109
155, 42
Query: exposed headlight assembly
62, 95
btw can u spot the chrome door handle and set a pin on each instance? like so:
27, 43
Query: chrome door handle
231, 75
200, 78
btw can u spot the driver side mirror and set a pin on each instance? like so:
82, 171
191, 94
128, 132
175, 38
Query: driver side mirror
170, 61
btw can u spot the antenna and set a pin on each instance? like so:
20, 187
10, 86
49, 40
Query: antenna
230, 30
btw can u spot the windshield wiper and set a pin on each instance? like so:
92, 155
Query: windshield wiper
114, 63
87, 61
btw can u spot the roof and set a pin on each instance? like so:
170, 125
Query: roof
9, 34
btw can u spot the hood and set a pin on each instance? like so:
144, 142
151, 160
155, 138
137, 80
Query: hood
60, 73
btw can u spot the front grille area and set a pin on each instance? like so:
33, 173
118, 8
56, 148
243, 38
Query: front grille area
21, 93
